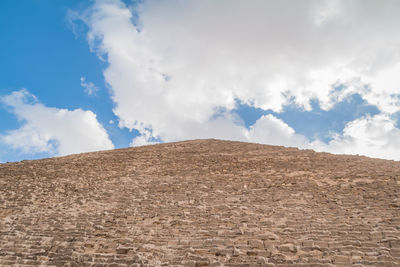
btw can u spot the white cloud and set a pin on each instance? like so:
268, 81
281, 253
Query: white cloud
142, 140
89, 87
52, 130
375, 136
179, 62
269, 129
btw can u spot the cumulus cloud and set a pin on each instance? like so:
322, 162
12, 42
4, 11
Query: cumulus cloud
143, 139
269, 129
88, 87
173, 65
52, 130
375, 136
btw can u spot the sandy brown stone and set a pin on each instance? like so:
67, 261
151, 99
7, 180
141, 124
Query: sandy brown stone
341, 260
287, 248
200, 203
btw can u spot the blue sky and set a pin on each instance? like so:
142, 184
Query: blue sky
80, 76
40, 52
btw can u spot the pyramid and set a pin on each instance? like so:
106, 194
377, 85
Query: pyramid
201, 203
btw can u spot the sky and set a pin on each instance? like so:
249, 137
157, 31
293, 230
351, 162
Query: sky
81, 76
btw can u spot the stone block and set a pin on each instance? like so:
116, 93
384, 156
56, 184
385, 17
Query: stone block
254, 243
342, 260
287, 248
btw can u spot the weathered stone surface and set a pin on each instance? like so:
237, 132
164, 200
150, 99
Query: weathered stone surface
200, 203
341, 260
287, 248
